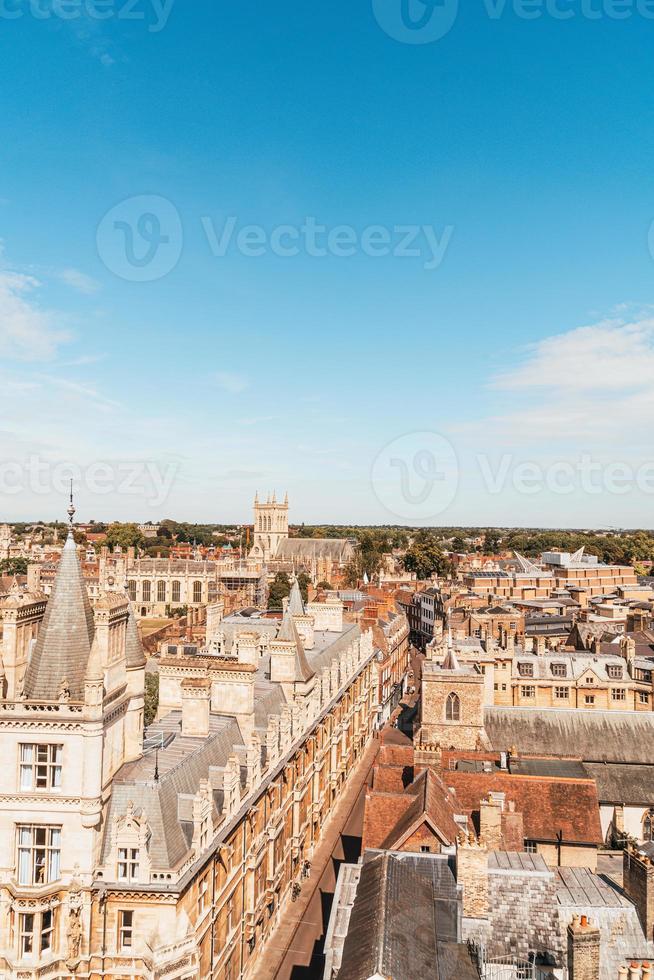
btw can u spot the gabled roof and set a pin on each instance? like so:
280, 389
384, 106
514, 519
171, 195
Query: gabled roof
63, 644
433, 804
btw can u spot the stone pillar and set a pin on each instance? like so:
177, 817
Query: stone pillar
472, 874
638, 883
583, 949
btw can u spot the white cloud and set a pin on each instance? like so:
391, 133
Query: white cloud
79, 281
233, 383
612, 355
27, 332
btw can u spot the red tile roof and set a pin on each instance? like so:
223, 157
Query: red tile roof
548, 805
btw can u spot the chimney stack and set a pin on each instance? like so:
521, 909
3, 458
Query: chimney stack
583, 949
196, 704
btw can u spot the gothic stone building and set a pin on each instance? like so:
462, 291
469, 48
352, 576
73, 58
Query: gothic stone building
173, 857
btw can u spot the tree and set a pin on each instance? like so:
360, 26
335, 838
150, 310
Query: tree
280, 588
151, 702
327, 586
124, 536
14, 566
459, 544
492, 541
425, 557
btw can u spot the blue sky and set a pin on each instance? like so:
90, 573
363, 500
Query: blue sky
521, 332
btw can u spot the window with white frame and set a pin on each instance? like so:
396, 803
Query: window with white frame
128, 864
643, 697
561, 693
125, 929
528, 691
619, 694
40, 766
35, 933
39, 854
531, 847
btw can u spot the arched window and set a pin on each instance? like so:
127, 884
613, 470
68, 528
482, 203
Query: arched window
197, 592
146, 590
131, 590
176, 591
161, 591
453, 708
648, 826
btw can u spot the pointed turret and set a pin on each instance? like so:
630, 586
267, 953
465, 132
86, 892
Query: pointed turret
134, 652
63, 645
450, 661
295, 603
288, 634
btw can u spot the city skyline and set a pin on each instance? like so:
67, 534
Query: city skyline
400, 248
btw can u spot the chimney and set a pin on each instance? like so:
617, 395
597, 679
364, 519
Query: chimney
638, 884
196, 704
583, 949
513, 830
540, 646
490, 822
472, 874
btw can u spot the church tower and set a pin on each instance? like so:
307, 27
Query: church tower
270, 526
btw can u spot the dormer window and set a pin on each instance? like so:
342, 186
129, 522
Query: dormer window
128, 864
614, 671
559, 670
526, 669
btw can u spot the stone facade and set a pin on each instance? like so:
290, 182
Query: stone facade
175, 857
638, 877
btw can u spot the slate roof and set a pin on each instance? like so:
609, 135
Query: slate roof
404, 922
64, 640
335, 549
594, 736
629, 785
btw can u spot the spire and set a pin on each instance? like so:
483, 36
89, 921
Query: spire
286, 499
256, 498
94, 669
295, 603
450, 661
134, 653
288, 634
63, 645
71, 510
274, 497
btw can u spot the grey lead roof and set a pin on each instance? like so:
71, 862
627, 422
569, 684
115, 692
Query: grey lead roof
594, 736
295, 604
64, 641
134, 653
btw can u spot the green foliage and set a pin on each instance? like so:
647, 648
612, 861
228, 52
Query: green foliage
151, 698
13, 566
425, 557
124, 535
304, 581
280, 588
324, 585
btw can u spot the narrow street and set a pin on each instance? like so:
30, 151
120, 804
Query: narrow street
295, 949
